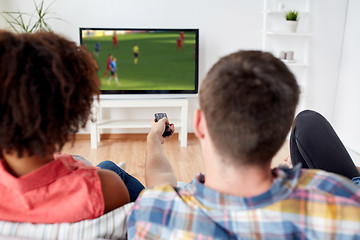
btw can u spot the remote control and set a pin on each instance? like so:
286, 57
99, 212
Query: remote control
168, 130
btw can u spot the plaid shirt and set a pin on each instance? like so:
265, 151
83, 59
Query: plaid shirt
300, 204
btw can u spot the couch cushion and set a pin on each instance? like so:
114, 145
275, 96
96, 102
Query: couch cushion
109, 226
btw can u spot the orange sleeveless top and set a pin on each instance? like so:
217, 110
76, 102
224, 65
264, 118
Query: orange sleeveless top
63, 190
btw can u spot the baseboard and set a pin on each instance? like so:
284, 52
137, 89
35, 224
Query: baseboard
86, 136
132, 136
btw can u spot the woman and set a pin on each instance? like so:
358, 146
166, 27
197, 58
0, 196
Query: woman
47, 85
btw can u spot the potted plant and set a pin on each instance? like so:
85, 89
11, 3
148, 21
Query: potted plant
24, 22
292, 20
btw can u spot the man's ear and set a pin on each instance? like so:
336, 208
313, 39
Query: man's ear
199, 123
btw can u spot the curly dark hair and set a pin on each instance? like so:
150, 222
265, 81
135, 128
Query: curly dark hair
47, 86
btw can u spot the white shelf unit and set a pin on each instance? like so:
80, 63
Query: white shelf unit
283, 11
100, 123
296, 34
276, 38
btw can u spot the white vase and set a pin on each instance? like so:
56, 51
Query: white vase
291, 26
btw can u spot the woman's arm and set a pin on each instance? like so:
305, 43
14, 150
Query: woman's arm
114, 190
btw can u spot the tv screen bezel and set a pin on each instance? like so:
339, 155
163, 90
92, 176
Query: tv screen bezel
162, 93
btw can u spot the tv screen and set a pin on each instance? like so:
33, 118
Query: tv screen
144, 61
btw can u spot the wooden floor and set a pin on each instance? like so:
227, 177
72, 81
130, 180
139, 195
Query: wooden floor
130, 148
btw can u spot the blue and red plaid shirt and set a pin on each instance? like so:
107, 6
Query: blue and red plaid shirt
300, 204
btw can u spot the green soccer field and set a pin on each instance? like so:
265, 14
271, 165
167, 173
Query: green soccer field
160, 66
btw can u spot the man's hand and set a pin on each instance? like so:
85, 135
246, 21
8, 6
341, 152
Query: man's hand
157, 129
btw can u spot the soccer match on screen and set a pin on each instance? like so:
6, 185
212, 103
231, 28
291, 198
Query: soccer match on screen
143, 60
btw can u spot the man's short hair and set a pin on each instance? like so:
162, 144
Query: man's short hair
249, 100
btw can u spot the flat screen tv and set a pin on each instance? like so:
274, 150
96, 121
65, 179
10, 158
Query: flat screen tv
133, 61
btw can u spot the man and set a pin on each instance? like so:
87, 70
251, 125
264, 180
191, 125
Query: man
136, 53
179, 44
97, 49
115, 41
182, 35
108, 63
247, 105
113, 72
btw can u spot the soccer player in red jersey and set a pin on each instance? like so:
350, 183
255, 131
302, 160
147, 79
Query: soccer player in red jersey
179, 44
115, 41
108, 61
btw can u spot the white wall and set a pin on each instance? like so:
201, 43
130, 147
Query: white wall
327, 28
4, 6
347, 107
225, 26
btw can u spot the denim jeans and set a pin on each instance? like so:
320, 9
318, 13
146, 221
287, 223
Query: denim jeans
133, 185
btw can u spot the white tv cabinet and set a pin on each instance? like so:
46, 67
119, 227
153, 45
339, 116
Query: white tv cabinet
100, 123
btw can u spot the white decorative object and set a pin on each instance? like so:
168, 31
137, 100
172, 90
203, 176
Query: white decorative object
282, 55
289, 55
291, 26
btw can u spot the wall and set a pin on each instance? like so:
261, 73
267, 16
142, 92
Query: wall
4, 6
325, 54
225, 26
347, 107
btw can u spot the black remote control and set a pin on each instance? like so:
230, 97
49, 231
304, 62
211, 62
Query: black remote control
168, 130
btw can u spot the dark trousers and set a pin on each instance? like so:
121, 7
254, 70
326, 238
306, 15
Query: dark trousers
132, 184
314, 143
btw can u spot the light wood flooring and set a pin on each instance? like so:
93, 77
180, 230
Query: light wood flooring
130, 148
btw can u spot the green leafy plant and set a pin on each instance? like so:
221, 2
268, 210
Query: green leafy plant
292, 15
37, 21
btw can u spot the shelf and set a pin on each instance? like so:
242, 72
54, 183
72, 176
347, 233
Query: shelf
129, 124
276, 38
180, 105
295, 63
276, 12
295, 34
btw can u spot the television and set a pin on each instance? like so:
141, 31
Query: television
153, 62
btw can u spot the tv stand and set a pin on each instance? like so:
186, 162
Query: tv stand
99, 123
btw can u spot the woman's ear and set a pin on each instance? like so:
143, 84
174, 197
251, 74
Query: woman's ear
199, 121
